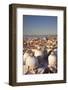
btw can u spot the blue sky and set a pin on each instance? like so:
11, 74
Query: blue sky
39, 25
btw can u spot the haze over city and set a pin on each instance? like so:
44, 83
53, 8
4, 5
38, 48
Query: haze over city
39, 25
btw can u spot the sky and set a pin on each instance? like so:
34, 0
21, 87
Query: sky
39, 25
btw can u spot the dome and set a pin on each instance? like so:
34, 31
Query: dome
25, 56
52, 60
31, 61
38, 53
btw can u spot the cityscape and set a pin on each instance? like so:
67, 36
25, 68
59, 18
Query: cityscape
39, 44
